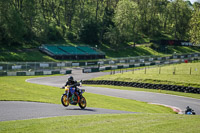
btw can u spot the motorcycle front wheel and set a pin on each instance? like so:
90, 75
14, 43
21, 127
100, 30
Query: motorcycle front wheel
82, 103
64, 100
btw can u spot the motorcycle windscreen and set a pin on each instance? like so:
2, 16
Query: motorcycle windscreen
72, 90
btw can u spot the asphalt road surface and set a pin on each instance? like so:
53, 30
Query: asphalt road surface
18, 110
15, 110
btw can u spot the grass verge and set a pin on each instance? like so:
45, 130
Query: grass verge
33, 55
137, 123
185, 74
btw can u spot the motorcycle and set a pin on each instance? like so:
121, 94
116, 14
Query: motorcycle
72, 97
190, 112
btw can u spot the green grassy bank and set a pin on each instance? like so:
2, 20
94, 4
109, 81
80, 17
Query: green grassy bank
133, 123
111, 52
28, 56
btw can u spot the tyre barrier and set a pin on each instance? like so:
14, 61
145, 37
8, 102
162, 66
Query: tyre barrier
21, 73
145, 85
39, 73
90, 70
68, 71
3, 73
55, 72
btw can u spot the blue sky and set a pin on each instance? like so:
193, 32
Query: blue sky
192, 1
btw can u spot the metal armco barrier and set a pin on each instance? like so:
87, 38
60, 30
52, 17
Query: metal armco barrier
119, 62
96, 69
33, 73
145, 85
143, 62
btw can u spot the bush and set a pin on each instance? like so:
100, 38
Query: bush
53, 33
71, 36
154, 46
89, 33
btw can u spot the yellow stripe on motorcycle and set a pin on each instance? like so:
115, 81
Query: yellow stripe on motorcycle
66, 88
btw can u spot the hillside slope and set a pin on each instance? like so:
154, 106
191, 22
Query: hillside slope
111, 52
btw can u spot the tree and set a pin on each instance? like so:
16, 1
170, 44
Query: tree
12, 22
92, 21
195, 25
107, 21
89, 33
179, 17
126, 20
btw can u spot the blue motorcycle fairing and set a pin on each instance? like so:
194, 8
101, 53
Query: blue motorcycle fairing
72, 90
189, 113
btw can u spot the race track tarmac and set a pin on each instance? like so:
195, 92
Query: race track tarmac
18, 110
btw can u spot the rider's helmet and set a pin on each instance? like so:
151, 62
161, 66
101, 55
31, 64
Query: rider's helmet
70, 79
187, 107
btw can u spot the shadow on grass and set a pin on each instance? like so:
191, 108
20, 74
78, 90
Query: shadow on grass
127, 51
24, 56
180, 49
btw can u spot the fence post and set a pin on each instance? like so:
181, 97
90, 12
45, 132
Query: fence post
6, 67
159, 69
35, 66
26, 66
133, 71
190, 70
145, 70
174, 71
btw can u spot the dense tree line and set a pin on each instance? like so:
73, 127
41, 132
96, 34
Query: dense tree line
96, 21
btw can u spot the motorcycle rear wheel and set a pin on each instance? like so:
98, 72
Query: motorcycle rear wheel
82, 103
64, 100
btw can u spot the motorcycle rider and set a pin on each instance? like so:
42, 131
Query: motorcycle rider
188, 109
73, 83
